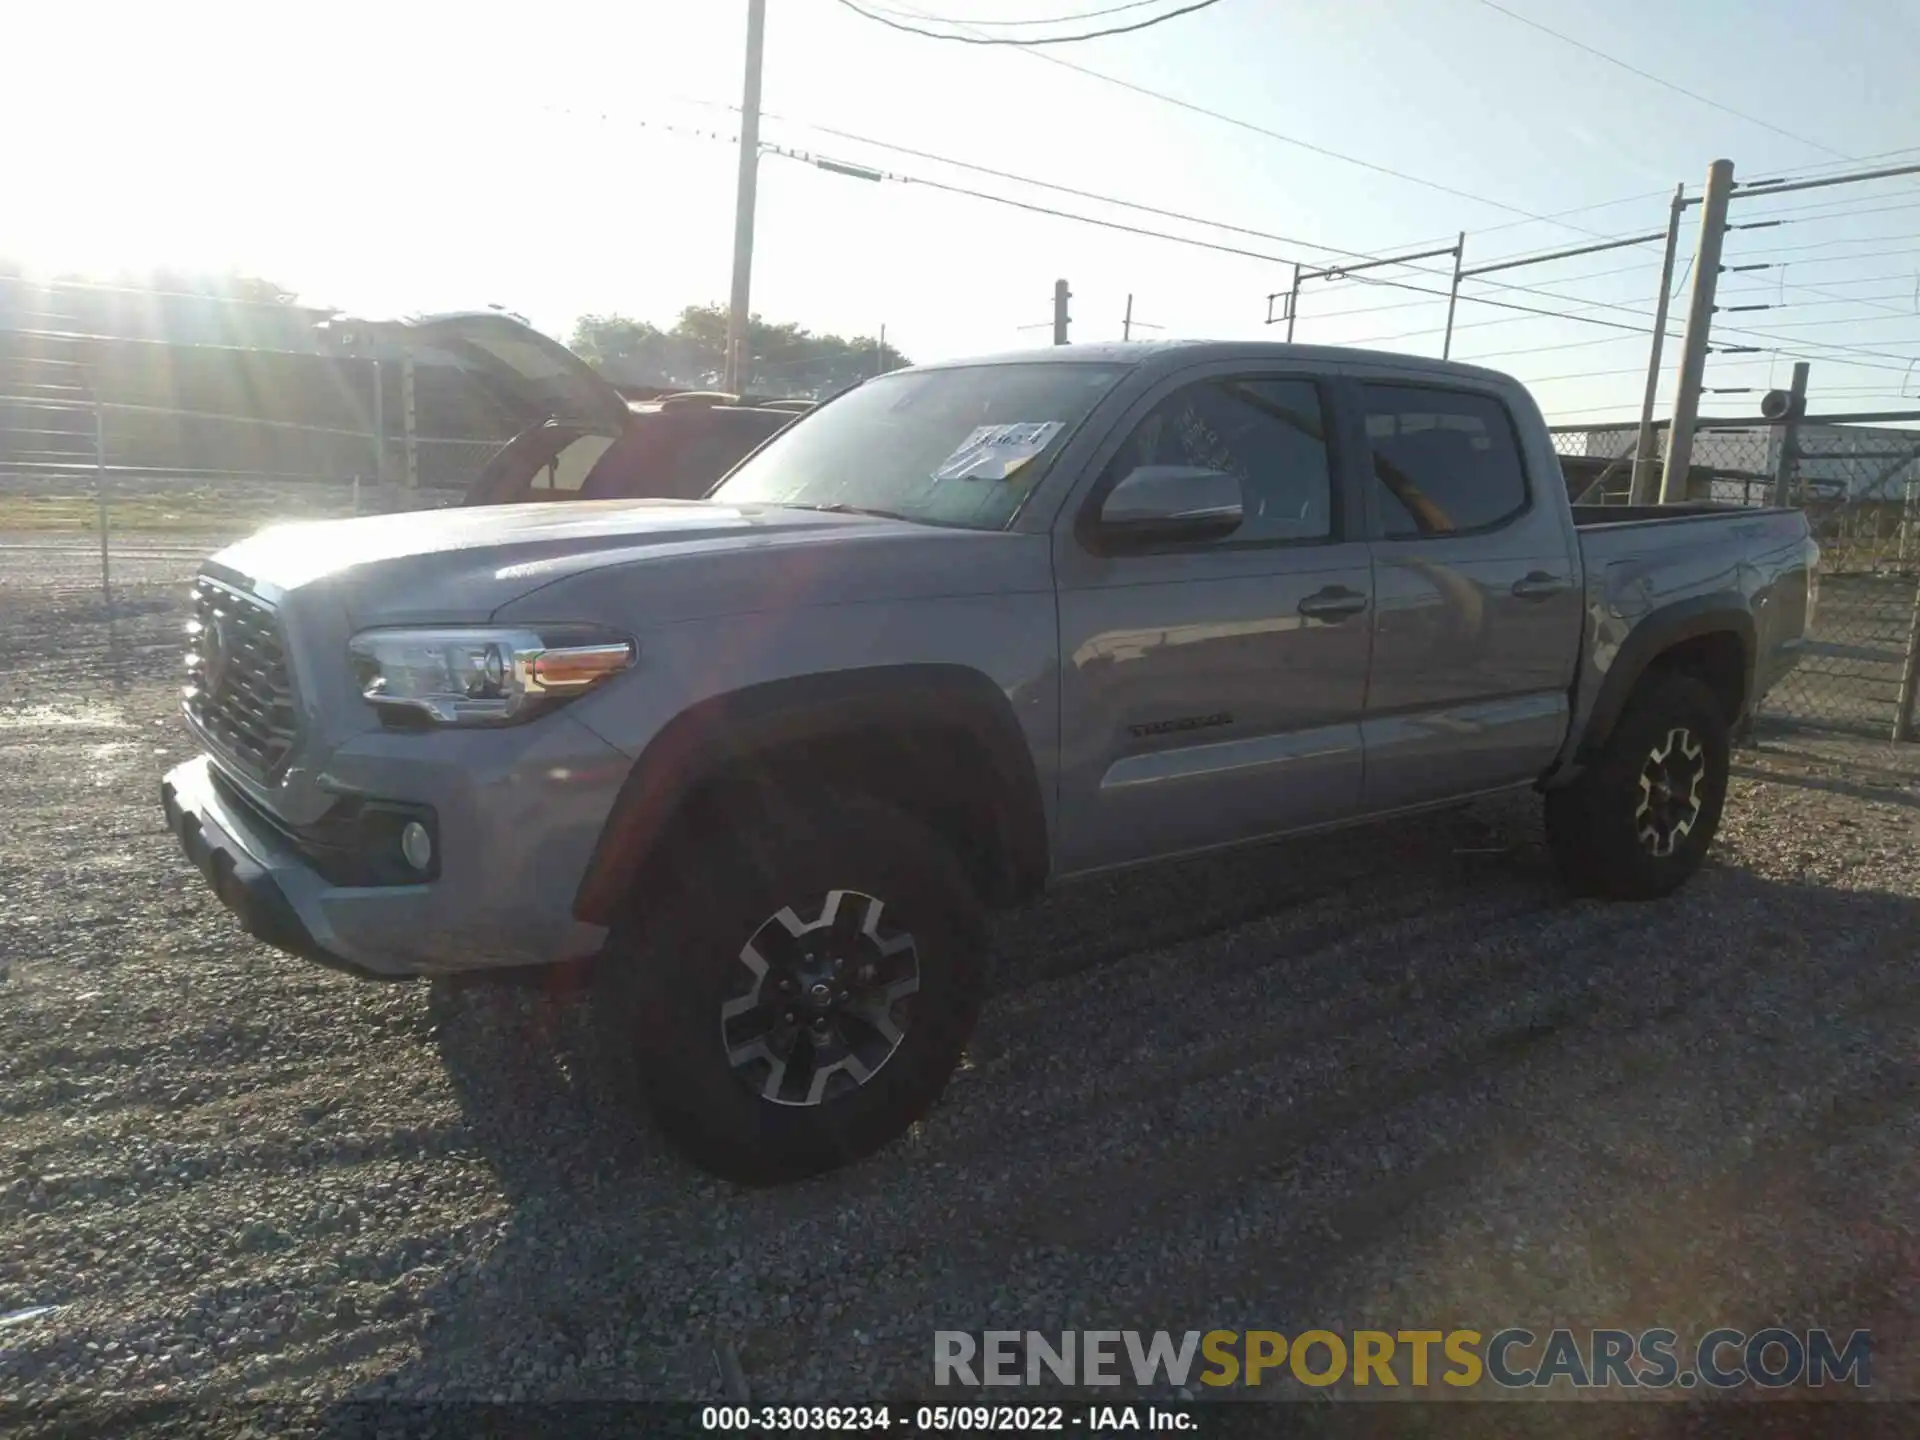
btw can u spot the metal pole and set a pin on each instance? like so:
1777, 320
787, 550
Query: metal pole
1909, 675
1453, 293
407, 420
1762, 188
880, 356
1126, 325
1693, 349
1790, 435
737, 312
1060, 297
1909, 494
1641, 489
1293, 301
1621, 244
379, 427
100, 494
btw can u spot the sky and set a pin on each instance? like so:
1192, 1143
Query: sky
577, 157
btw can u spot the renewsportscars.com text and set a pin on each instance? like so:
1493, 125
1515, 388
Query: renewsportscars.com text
1512, 1358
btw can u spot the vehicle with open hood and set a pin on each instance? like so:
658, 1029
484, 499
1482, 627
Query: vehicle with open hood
764, 760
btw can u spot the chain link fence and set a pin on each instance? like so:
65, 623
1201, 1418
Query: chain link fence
1859, 485
1860, 488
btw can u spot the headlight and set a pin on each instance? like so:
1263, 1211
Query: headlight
474, 676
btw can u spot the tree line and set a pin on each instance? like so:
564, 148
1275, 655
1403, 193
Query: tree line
691, 354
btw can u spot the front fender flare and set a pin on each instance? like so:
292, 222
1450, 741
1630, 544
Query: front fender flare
732, 727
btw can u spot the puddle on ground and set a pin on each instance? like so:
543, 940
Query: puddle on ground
87, 715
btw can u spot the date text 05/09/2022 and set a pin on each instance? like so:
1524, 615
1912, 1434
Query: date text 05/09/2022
992, 1419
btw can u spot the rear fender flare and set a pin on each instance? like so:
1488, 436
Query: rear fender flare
1660, 631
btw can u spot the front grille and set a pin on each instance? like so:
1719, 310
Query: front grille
238, 686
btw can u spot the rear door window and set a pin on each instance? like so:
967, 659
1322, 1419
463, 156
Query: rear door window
1444, 462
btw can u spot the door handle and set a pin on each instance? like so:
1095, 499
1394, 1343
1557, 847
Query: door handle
1539, 585
1333, 604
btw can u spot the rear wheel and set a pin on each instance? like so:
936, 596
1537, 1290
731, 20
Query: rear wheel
1638, 823
810, 971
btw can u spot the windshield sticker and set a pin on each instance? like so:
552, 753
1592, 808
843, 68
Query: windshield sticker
995, 452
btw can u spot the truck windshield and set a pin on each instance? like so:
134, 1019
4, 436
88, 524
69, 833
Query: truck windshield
961, 446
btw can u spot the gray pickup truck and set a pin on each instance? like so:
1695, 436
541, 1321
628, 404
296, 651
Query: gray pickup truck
965, 631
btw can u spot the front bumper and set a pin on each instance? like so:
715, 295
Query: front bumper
467, 922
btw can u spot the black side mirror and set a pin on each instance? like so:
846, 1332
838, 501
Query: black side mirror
1159, 504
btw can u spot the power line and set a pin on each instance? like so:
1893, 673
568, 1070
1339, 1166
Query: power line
1834, 354
1765, 285
1574, 316
1801, 173
809, 158
1271, 259
819, 161
1594, 374
1809, 171
1849, 319
1551, 217
1271, 134
978, 39
999, 174
1177, 215
1030, 207
1543, 349
1027, 205
1829, 298
1842, 240
1693, 95
1509, 305
1830, 209
1140, 206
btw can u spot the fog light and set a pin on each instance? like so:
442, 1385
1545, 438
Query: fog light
416, 845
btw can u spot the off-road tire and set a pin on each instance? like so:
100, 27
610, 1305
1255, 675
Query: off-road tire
672, 966
1602, 841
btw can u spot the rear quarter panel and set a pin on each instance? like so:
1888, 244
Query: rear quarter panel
1748, 562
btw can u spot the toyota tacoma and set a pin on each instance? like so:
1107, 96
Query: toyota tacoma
763, 760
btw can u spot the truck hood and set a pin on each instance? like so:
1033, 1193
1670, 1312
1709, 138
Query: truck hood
463, 565
531, 376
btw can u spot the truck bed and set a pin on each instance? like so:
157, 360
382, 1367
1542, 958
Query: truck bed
1588, 517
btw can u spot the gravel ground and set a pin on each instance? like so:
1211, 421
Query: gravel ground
1391, 1078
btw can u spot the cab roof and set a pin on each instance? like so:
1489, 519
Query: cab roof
1174, 354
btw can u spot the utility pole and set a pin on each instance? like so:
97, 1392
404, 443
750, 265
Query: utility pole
1128, 323
1642, 488
1060, 297
737, 312
1453, 292
880, 355
1340, 272
1693, 349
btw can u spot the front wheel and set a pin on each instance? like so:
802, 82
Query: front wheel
806, 985
1638, 823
